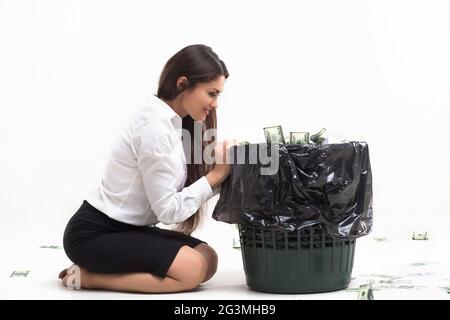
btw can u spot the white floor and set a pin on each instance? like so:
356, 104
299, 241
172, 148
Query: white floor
398, 267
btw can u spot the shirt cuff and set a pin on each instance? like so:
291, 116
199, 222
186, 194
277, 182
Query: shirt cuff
203, 189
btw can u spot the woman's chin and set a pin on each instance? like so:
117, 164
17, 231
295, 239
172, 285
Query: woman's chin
200, 118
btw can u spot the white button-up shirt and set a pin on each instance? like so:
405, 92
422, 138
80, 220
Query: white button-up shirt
146, 170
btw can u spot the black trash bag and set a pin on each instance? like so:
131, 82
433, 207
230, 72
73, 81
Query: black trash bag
328, 185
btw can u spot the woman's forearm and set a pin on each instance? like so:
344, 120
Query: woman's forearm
214, 178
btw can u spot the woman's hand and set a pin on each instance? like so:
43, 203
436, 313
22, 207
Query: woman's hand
222, 166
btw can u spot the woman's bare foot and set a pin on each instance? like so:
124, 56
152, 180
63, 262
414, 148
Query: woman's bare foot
75, 277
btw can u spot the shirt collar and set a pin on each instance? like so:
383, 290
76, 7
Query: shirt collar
169, 113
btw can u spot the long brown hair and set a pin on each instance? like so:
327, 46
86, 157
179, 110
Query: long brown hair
199, 64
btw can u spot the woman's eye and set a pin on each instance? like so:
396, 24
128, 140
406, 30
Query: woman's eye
212, 94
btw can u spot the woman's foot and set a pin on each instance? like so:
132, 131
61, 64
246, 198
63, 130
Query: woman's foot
75, 277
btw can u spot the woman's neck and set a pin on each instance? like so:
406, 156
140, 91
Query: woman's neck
177, 106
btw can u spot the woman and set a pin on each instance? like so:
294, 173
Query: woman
112, 238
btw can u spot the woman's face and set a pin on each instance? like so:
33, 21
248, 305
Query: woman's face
200, 100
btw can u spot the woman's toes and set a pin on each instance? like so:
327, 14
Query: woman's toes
68, 278
72, 277
62, 274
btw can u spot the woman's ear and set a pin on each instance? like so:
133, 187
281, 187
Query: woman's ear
181, 83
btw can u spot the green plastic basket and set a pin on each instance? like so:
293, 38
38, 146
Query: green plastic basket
302, 261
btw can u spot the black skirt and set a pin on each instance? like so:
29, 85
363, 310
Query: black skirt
101, 244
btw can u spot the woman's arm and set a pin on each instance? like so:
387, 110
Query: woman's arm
222, 168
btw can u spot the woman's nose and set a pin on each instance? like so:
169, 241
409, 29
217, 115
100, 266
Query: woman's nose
214, 104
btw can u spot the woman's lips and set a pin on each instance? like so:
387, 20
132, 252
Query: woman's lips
206, 111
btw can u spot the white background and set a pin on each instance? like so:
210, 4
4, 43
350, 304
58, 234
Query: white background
71, 72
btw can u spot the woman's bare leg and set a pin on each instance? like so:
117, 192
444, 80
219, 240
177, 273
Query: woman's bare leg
186, 272
211, 257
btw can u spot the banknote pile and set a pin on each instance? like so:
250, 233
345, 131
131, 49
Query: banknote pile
275, 134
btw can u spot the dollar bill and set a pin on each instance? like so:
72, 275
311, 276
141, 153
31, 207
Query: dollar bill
19, 273
420, 236
274, 135
299, 137
318, 137
51, 247
365, 292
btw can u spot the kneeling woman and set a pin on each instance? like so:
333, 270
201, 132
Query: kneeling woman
112, 238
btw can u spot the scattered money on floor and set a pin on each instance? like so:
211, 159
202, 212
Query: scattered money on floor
365, 292
17, 273
51, 247
420, 236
